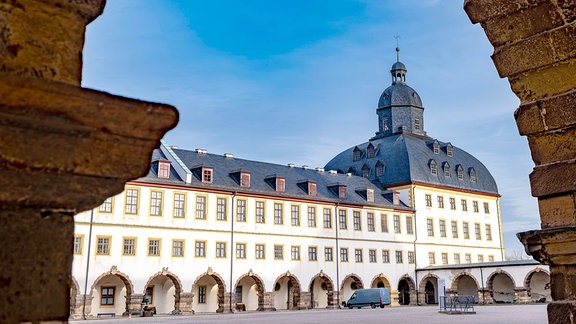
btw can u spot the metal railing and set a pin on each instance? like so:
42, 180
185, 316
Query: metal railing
462, 304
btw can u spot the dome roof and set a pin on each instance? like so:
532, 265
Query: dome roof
398, 66
399, 94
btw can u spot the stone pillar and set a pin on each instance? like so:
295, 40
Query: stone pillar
268, 302
134, 304
535, 47
521, 295
63, 149
186, 302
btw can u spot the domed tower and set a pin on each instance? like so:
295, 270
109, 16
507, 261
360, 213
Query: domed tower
400, 107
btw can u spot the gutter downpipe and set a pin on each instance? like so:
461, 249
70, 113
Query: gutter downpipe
231, 248
415, 239
87, 265
337, 256
482, 278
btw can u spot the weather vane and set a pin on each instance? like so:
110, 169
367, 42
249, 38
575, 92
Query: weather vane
397, 47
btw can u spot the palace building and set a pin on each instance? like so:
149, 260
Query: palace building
214, 233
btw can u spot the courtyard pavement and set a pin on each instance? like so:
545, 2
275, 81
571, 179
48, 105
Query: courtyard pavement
533, 313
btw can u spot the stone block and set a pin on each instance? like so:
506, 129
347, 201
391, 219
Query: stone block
553, 146
563, 312
537, 51
558, 210
568, 9
557, 112
522, 24
553, 179
545, 82
482, 10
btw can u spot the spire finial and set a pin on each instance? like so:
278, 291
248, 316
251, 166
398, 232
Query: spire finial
397, 48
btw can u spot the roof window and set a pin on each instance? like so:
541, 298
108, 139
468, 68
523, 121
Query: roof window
163, 169
379, 169
436, 147
277, 183
449, 150
370, 151
473, 177
460, 172
433, 167
356, 154
446, 168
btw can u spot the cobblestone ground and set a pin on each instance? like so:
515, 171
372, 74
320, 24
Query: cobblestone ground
418, 314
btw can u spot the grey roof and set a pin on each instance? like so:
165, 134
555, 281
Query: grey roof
512, 263
399, 94
224, 167
398, 66
406, 158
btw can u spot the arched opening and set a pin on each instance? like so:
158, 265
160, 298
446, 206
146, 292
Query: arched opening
538, 284
501, 287
465, 285
287, 292
380, 281
249, 292
163, 292
321, 291
350, 283
209, 291
429, 288
111, 293
406, 289
74, 296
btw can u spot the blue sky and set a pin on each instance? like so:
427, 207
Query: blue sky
298, 81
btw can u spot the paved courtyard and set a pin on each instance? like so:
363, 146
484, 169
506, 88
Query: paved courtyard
423, 314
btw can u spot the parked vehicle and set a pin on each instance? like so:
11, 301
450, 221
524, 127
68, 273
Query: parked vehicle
369, 297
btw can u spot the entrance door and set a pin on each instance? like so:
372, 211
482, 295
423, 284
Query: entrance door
403, 293
429, 293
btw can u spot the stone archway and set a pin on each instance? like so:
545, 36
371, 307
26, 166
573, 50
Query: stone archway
429, 289
501, 285
406, 290
537, 283
321, 290
287, 292
75, 311
380, 281
465, 284
165, 289
350, 283
120, 294
209, 289
251, 293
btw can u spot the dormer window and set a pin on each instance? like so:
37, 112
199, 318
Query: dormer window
312, 188
449, 150
245, 179
342, 191
164, 169
379, 169
385, 126
365, 171
433, 167
460, 172
207, 175
356, 154
280, 184
436, 147
370, 151
446, 168
352, 170
473, 175
369, 195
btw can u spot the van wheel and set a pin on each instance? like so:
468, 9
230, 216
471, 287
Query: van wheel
372, 305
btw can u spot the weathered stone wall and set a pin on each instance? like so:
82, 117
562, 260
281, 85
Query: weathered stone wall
535, 48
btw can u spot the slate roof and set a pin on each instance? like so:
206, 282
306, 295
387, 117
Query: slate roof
223, 167
406, 159
399, 94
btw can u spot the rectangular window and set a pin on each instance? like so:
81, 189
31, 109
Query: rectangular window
411, 257
344, 254
241, 210
357, 221
163, 170
131, 202
327, 218
244, 180
385, 256
464, 205
466, 230
260, 212
342, 217
430, 226
358, 255
202, 294
442, 228
278, 217
207, 175
328, 254
480, 258
454, 229
409, 225
370, 221
78, 244
399, 257
240, 251
384, 223
179, 205
468, 258
444, 258
431, 258
220, 249
457, 258
396, 223
488, 232
238, 294
221, 209
200, 250
129, 246
153, 247
312, 188
295, 213
490, 258
177, 248
486, 208
475, 206
311, 216
440, 202
312, 253
428, 200
295, 252
260, 254
200, 207
156, 203
372, 256
106, 206
107, 296
278, 252
477, 231
280, 184
102, 245
452, 203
